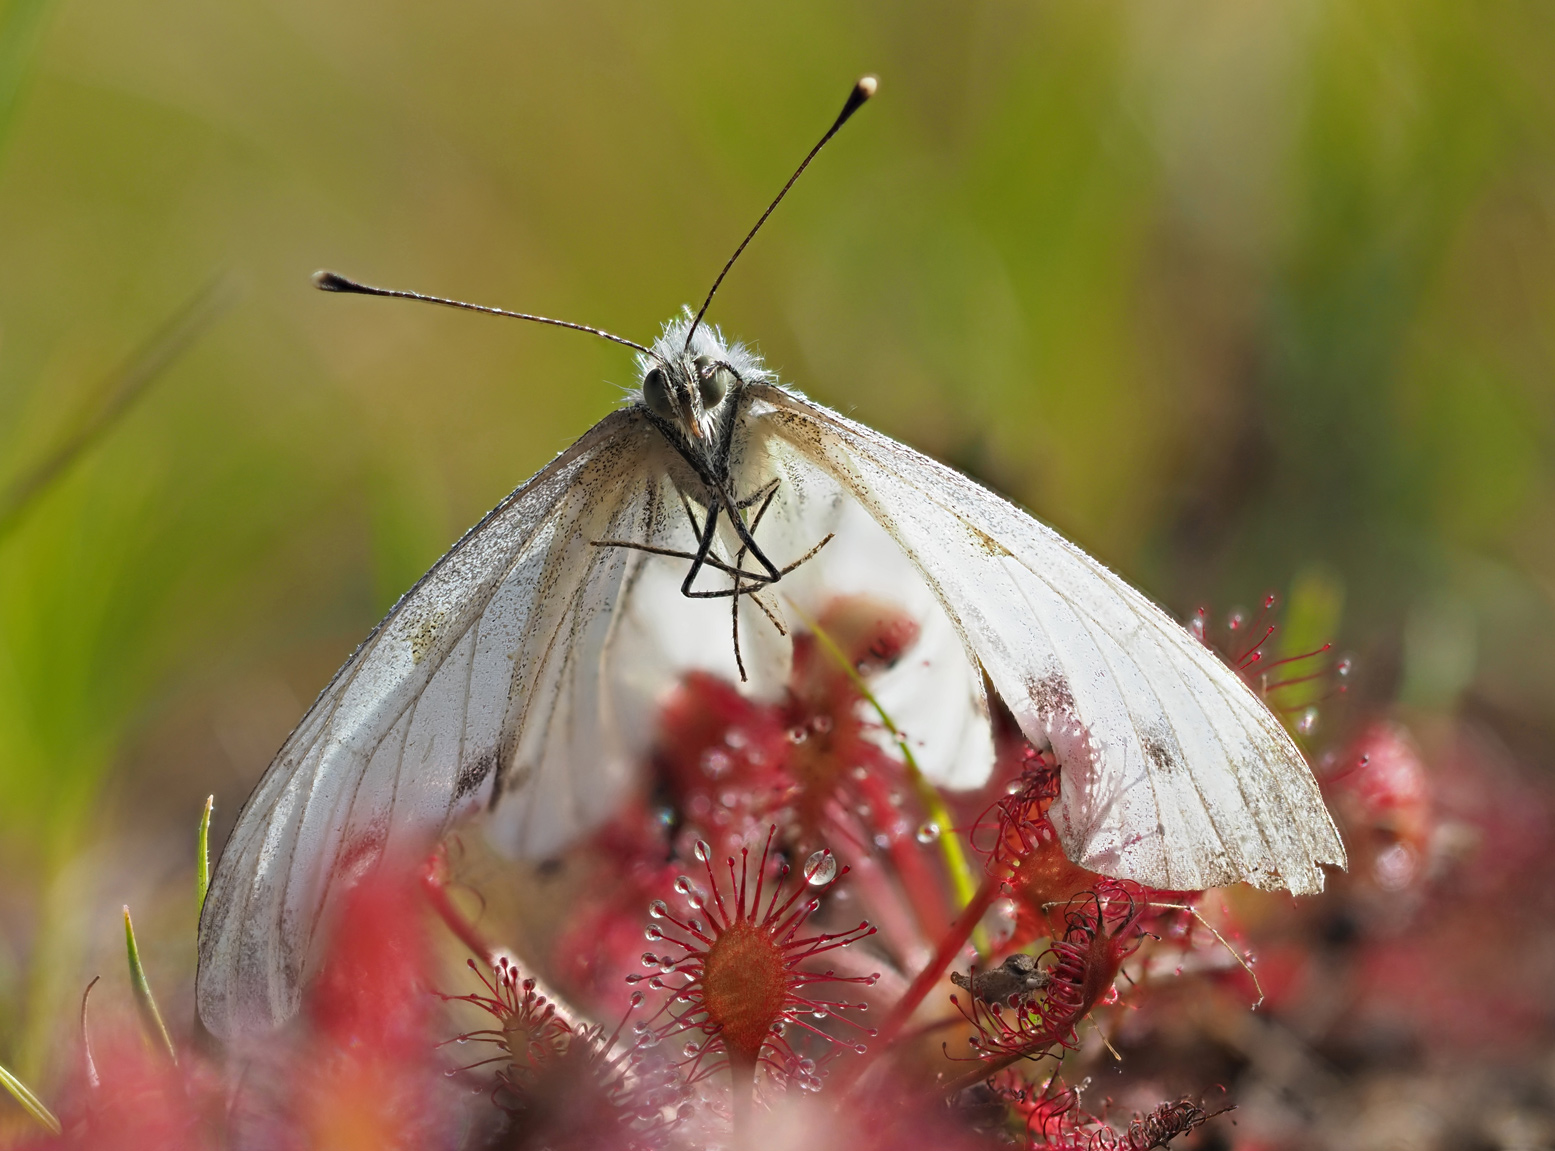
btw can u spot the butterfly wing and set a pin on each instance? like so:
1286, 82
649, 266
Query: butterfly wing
1176, 774
482, 686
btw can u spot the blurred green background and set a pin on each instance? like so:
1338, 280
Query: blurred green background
1241, 297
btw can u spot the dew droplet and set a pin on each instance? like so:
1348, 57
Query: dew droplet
658, 909
1235, 619
650, 959
882, 841
820, 868
859, 772
683, 884
736, 738
689, 1050
797, 734
703, 851
927, 832
652, 933
1344, 667
1307, 724
999, 921
821, 724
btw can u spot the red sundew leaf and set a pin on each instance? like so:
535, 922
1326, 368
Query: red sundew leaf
372, 990
372, 1080
714, 745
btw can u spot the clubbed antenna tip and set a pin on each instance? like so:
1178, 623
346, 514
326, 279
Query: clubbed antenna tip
862, 91
326, 281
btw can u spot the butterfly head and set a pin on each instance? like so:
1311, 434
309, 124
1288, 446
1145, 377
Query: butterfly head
692, 388
686, 392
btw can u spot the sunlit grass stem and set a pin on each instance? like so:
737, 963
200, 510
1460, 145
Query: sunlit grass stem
150, 1017
30, 1102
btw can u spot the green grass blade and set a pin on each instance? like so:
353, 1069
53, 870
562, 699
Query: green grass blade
150, 1017
202, 856
120, 395
30, 1102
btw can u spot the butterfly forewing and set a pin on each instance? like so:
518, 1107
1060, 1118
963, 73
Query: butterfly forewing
474, 682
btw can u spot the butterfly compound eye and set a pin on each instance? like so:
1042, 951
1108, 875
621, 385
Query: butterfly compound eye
656, 394
713, 382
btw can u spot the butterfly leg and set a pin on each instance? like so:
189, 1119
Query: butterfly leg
747, 539
739, 573
704, 547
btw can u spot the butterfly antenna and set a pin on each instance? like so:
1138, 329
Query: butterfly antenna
862, 91
335, 282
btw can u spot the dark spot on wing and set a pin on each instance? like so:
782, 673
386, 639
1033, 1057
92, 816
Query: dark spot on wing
990, 545
1160, 754
1052, 698
508, 778
474, 773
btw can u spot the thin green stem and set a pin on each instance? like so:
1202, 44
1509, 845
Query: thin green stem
961, 876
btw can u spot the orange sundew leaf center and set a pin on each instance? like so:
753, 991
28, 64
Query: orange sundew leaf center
745, 981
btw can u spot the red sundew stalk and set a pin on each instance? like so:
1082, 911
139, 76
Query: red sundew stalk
435, 887
1298, 659
889, 909
925, 893
913, 884
949, 947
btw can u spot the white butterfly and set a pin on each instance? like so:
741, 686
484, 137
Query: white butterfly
518, 678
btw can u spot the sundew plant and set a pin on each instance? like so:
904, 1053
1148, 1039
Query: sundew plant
787, 935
